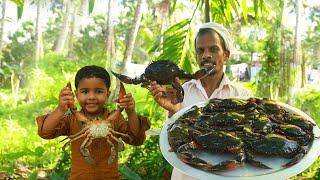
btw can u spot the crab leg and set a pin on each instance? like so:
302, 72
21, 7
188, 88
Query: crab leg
81, 117
186, 155
251, 160
127, 79
180, 93
76, 138
203, 72
296, 158
120, 143
78, 133
230, 164
114, 138
84, 150
73, 136
119, 133
65, 145
112, 151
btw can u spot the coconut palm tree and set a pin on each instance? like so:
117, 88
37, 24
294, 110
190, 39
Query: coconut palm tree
3, 15
133, 34
60, 41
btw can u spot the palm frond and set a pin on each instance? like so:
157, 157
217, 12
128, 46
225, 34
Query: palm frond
174, 45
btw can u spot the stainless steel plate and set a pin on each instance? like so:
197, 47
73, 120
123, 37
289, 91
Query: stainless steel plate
247, 171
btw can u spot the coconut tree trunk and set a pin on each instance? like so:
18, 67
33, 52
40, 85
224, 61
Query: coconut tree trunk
283, 83
282, 63
163, 7
295, 67
303, 70
76, 8
38, 36
84, 7
3, 15
109, 40
133, 34
15, 85
60, 42
207, 11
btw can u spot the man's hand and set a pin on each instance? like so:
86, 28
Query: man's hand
165, 97
66, 99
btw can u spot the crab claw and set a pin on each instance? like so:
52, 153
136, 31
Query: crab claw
126, 79
115, 114
186, 154
296, 158
228, 165
81, 117
251, 160
71, 105
203, 72
122, 91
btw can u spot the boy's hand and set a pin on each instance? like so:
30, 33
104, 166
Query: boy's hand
127, 102
66, 99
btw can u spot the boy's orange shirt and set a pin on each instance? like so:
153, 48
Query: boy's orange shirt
99, 149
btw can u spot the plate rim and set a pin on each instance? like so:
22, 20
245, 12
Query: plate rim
306, 162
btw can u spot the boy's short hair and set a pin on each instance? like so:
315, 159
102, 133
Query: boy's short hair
92, 72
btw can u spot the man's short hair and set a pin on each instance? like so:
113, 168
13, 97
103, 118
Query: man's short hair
92, 72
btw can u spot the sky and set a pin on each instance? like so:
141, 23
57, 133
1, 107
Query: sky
100, 7
29, 13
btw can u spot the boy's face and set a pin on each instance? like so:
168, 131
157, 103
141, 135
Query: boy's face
92, 93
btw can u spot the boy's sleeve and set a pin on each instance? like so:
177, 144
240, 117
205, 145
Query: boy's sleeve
123, 127
62, 128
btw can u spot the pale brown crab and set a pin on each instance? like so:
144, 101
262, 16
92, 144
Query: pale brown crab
97, 128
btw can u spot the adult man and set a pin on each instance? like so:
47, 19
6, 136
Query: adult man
213, 46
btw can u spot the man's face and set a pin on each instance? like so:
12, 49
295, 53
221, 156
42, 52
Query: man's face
210, 52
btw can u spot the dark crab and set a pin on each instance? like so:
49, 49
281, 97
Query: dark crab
245, 128
164, 72
178, 130
245, 145
231, 104
214, 141
226, 121
294, 132
272, 145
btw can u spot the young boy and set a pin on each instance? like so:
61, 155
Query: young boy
92, 91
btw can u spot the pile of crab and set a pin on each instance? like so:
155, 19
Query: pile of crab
245, 128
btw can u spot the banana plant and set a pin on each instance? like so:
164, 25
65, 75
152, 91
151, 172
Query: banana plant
226, 11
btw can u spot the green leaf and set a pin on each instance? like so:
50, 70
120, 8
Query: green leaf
174, 40
39, 151
19, 11
255, 7
128, 173
234, 6
245, 11
91, 5
177, 26
19, 4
